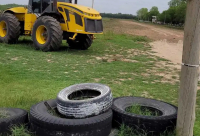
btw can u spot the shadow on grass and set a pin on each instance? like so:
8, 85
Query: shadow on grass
26, 42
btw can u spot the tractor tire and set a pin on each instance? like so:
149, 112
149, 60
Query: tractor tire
82, 42
44, 123
16, 117
47, 34
165, 121
9, 28
84, 100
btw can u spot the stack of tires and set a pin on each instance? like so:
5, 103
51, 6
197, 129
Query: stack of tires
79, 110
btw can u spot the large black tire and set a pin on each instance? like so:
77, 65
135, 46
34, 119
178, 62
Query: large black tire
45, 124
12, 27
15, 117
54, 34
153, 125
99, 100
82, 42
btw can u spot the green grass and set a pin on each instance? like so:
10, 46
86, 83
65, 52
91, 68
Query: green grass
20, 131
29, 76
4, 114
127, 131
139, 110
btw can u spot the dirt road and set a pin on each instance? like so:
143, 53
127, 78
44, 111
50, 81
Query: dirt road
167, 43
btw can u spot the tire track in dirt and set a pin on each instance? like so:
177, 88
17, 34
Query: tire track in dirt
167, 43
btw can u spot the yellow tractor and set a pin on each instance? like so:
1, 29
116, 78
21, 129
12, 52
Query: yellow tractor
51, 21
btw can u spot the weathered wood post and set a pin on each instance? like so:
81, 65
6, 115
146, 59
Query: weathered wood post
189, 72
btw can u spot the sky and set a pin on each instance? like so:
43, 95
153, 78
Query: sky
113, 6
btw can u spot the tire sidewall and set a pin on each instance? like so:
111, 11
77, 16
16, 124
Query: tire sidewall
171, 111
16, 117
84, 108
154, 125
103, 89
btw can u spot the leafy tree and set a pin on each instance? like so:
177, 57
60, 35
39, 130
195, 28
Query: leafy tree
174, 15
142, 14
174, 3
180, 13
154, 11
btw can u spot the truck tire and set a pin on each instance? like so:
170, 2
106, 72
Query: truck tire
47, 34
153, 125
98, 99
9, 28
15, 117
45, 124
82, 42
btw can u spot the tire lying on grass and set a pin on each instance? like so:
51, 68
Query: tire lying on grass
84, 100
51, 123
164, 120
10, 117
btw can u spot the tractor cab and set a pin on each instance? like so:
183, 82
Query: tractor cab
40, 6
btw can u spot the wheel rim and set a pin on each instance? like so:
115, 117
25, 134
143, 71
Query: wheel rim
3, 29
41, 34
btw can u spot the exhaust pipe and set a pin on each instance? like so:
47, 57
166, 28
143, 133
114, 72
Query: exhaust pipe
55, 5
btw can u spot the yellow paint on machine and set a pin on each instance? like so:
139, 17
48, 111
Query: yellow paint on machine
29, 21
3, 29
68, 25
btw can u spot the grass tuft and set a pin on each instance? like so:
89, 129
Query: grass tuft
140, 39
127, 131
20, 131
139, 110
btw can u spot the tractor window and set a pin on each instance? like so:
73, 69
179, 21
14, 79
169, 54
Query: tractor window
36, 5
45, 4
68, 1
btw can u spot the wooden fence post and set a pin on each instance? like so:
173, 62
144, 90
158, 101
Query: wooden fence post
189, 71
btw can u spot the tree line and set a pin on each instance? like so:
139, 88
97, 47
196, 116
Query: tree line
174, 15
4, 7
118, 15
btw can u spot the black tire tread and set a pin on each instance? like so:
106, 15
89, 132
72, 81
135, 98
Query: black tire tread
153, 125
84, 42
56, 33
16, 120
14, 28
41, 122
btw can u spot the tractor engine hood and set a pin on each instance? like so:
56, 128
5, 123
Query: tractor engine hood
84, 9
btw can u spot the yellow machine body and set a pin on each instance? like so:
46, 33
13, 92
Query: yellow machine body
68, 11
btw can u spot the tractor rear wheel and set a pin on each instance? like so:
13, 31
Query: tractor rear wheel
82, 42
47, 34
9, 28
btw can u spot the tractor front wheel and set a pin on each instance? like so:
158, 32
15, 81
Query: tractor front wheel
47, 34
82, 42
